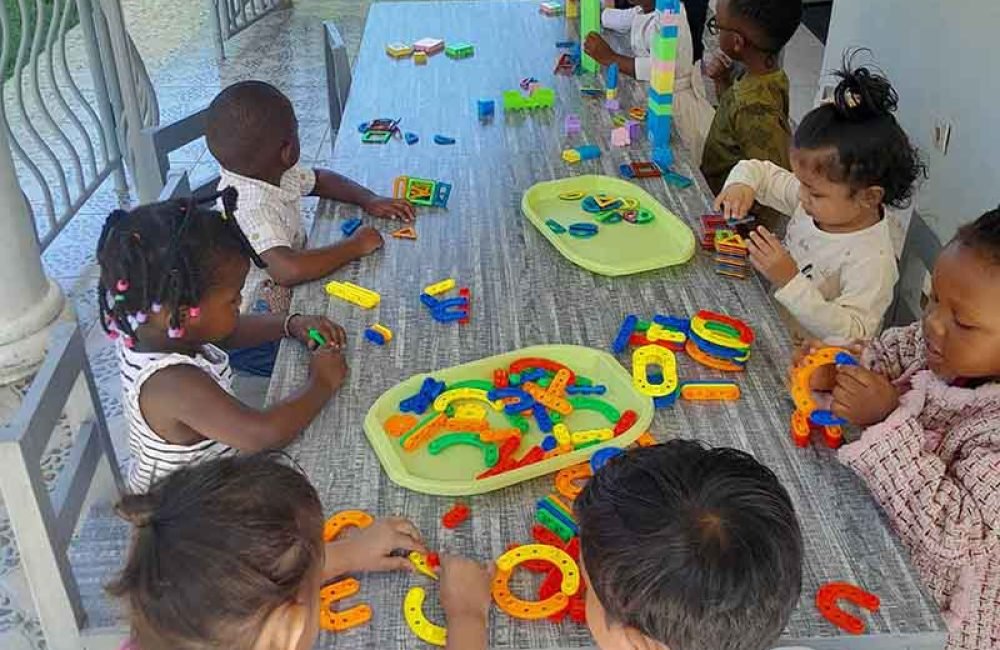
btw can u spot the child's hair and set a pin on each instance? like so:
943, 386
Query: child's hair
247, 123
163, 256
693, 547
871, 148
217, 547
982, 235
776, 20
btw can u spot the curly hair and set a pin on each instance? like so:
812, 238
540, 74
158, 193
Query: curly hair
774, 20
982, 235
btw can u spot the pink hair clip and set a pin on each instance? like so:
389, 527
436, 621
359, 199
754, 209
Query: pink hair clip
194, 312
128, 341
175, 332
112, 334
122, 285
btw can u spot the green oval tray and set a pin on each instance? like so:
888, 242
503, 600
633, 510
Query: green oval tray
618, 249
454, 471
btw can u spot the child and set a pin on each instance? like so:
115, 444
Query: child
688, 547
929, 396
171, 275
751, 121
253, 132
692, 111
230, 554
835, 273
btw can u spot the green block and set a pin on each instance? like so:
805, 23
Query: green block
590, 21
459, 51
643, 325
583, 381
660, 109
546, 519
664, 49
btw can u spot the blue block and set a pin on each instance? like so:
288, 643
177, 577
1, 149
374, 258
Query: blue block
716, 350
666, 401
544, 504
625, 169
548, 443
532, 374
349, 226
443, 139
611, 82
664, 99
485, 108
624, 332
429, 300
601, 457
673, 322
586, 390
411, 138
374, 337
845, 359
663, 157
825, 418
670, 31
677, 180
542, 418
589, 152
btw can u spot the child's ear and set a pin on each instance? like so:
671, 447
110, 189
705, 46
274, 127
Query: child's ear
872, 197
284, 628
289, 156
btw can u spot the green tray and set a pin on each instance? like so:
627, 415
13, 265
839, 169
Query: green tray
453, 472
618, 249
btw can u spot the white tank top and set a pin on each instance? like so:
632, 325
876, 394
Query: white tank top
152, 456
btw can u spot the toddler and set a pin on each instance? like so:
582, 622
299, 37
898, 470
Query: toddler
835, 272
169, 292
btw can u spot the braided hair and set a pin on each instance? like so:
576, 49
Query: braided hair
162, 256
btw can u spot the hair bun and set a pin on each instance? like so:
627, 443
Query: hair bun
137, 509
861, 93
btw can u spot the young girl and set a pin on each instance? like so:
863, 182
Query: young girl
835, 273
171, 275
692, 111
230, 554
930, 397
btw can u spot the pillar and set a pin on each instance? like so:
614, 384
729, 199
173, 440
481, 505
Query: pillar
30, 303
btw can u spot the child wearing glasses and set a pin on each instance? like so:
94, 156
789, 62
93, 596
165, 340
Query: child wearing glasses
751, 121
692, 110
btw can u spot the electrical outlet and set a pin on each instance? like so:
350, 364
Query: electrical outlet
941, 135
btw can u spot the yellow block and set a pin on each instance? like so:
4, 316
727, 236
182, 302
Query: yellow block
662, 82
353, 293
438, 288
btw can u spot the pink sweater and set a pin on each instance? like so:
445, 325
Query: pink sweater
934, 467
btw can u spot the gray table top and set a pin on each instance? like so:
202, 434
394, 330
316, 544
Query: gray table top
525, 293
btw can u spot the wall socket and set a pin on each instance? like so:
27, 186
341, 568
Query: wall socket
941, 135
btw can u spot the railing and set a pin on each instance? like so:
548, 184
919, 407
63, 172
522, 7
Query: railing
68, 124
233, 16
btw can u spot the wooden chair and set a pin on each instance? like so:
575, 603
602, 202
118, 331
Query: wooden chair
920, 250
44, 520
338, 73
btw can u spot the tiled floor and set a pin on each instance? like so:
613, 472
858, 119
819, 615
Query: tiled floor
176, 45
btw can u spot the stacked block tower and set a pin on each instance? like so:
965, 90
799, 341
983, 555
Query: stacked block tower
661, 83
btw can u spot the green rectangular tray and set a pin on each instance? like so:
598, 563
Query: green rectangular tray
453, 472
618, 249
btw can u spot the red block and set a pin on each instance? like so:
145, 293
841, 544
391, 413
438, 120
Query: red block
543, 535
625, 422
465, 293
454, 517
500, 378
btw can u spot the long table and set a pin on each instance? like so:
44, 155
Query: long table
525, 293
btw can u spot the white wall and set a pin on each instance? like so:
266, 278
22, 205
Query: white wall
943, 57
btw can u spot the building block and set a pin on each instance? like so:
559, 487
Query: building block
349, 226
485, 108
413, 614
465, 293
429, 45
330, 619
601, 457
571, 125
455, 516
541, 97
437, 288
420, 563
399, 50
802, 394
459, 50
406, 232
624, 332
352, 293
620, 137
411, 138
590, 21
420, 58
828, 597
710, 390
551, 8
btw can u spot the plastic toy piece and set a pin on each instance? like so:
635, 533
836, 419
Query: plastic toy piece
583, 230
620, 137
349, 226
800, 429
801, 392
345, 519
420, 58
399, 50
459, 50
571, 196
660, 112
413, 613
554, 525
500, 378
470, 412
339, 621
378, 334
411, 137
438, 288
583, 152
429, 45
600, 457
648, 355
710, 390
827, 603
424, 431
485, 109
571, 125
455, 516
444, 399
406, 232
352, 293
657, 332
490, 453
551, 8
625, 422
555, 226
399, 424
467, 295
540, 97
624, 332
433, 560
549, 398
592, 404
443, 139
586, 390
571, 574
420, 563
637, 113
709, 361
421, 191
584, 437
525, 363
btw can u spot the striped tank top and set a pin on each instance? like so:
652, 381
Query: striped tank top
152, 456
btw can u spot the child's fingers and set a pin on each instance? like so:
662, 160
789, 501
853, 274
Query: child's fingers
768, 236
854, 376
389, 563
405, 527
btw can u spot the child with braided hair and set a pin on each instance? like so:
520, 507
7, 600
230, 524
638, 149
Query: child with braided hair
169, 292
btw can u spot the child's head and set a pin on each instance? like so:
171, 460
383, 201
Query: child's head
252, 130
851, 155
690, 548
173, 268
962, 321
761, 28
225, 554
647, 6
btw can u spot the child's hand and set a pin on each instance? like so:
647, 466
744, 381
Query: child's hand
719, 67
334, 334
734, 201
387, 208
328, 367
371, 549
465, 590
824, 378
367, 240
863, 397
598, 49
770, 258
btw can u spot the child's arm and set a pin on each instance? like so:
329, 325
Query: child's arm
290, 267
331, 185
896, 351
465, 598
758, 180
601, 51
373, 549
182, 403
866, 287
254, 329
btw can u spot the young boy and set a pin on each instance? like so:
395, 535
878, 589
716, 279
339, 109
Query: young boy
253, 132
751, 121
688, 547
692, 111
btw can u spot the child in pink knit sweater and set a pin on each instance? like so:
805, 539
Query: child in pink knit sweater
929, 395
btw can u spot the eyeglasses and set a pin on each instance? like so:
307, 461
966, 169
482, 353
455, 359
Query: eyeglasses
714, 28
